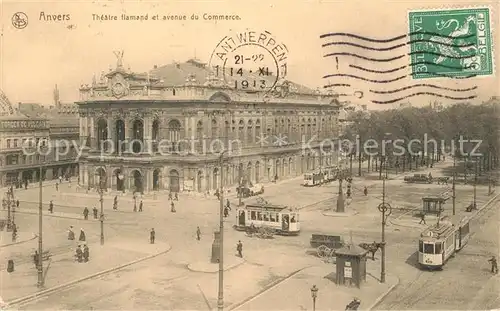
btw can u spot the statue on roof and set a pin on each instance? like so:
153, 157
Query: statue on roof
119, 58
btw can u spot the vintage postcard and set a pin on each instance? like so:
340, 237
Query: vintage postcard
249, 155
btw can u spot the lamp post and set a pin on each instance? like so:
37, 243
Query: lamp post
475, 182
9, 204
340, 198
314, 295
220, 296
386, 210
40, 278
102, 185
387, 158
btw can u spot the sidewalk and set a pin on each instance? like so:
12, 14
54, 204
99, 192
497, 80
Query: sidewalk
294, 293
62, 268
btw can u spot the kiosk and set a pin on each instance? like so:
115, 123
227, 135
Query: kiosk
433, 205
351, 265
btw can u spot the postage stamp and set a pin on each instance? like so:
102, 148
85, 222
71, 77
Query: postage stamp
450, 43
250, 60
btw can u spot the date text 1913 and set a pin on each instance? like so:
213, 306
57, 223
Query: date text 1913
247, 78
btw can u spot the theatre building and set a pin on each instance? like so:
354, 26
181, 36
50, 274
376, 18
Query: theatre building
147, 131
26, 125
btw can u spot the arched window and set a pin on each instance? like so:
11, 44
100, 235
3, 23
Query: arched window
199, 130
174, 134
241, 130
102, 134
155, 134
250, 135
137, 136
303, 129
257, 129
215, 129
308, 131
227, 130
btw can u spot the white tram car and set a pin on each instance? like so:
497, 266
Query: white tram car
313, 179
280, 219
440, 241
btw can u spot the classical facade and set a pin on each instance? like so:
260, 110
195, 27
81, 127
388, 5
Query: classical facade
164, 130
26, 126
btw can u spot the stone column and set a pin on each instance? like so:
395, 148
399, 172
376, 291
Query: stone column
110, 146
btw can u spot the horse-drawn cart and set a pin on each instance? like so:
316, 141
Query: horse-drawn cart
326, 245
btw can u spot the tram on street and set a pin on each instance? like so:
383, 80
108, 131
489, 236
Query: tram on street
280, 219
440, 241
313, 179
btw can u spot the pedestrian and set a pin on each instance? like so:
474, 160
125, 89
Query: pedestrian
365, 191
60, 179
71, 234
115, 203
14, 233
170, 196
57, 186
176, 196
135, 205
17, 203
494, 266
172, 207
94, 211
79, 254
51, 207
422, 219
198, 233
36, 258
140, 206
226, 211
86, 253
228, 204
86, 213
26, 184
82, 235
152, 236
239, 248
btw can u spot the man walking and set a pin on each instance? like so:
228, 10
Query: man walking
140, 206
172, 207
494, 266
94, 211
82, 237
51, 207
422, 219
152, 236
86, 213
86, 253
198, 233
239, 248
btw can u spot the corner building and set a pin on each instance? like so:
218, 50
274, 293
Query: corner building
162, 130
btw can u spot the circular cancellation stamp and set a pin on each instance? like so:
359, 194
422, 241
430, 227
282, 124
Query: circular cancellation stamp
250, 60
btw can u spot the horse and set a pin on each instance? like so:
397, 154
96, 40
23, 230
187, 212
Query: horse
371, 247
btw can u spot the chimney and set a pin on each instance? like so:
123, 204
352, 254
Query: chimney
155, 66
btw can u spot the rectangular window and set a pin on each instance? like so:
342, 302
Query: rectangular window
259, 216
428, 248
273, 217
254, 217
421, 246
438, 248
265, 216
8, 143
277, 217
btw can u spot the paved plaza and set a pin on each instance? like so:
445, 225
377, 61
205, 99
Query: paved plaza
284, 267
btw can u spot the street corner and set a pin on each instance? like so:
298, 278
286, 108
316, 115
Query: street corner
22, 237
206, 266
295, 291
391, 282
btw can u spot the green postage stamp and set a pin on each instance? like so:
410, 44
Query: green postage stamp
450, 43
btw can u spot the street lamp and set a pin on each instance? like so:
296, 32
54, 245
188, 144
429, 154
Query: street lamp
220, 296
10, 201
314, 295
386, 210
102, 186
475, 182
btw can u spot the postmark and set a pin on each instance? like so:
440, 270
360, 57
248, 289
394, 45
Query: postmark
454, 43
250, 60
20, 20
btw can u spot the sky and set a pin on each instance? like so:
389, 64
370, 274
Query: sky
68, 53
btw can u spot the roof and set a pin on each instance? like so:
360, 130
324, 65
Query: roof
437, 231
16, 116
266, 207
175, 74
64, 115
351, 250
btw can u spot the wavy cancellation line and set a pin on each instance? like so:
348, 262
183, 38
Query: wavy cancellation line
390, 59
408, 66
345, 34
398, 46
392, 101
341, 75
424, 85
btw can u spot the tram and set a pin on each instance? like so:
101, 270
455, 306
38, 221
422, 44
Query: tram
313, 179
281, 219
440, 241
